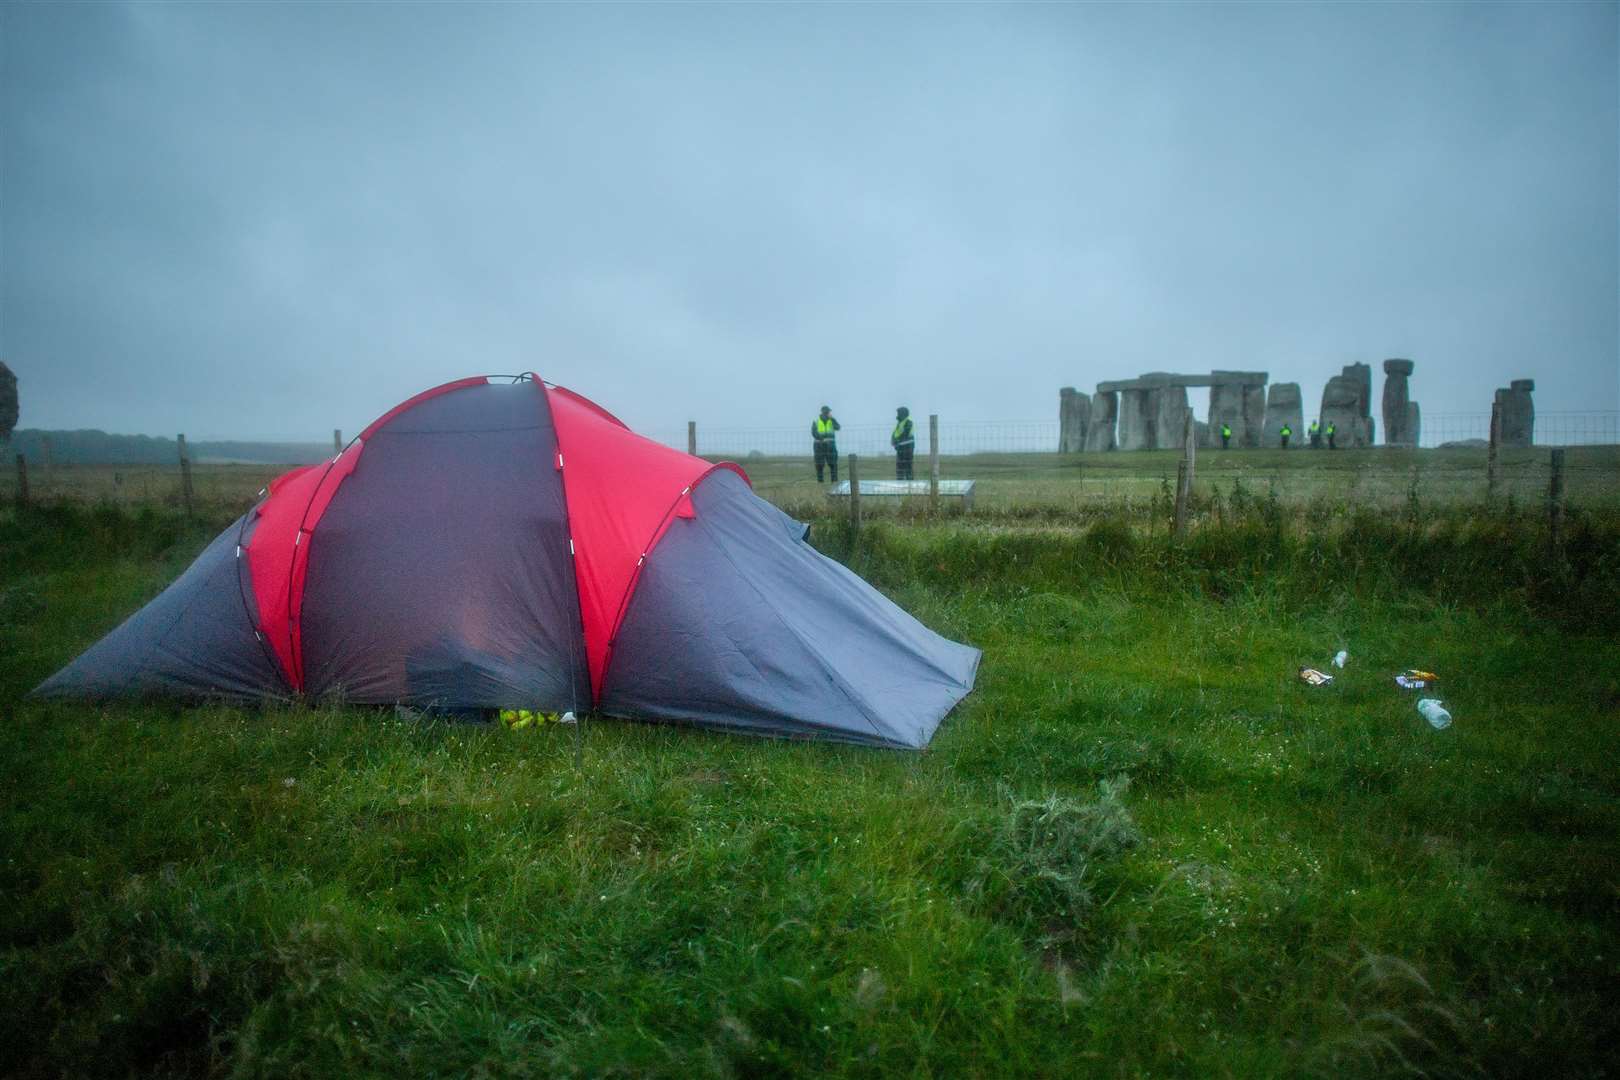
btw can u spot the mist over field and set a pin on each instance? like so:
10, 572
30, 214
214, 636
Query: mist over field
265, 221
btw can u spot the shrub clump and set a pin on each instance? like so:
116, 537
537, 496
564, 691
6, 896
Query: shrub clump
1050, 851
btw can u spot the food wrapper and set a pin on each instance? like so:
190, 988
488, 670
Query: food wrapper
1415, 679
1311, 677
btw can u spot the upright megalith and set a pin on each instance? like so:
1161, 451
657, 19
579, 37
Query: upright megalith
1517, 414
1136, 420
1398, 408
1100, 429
1169, 416
1346, 404
1283, 407
1226, 408
8, 403
1414, 424
1074, 416
1238, 400
1254, 413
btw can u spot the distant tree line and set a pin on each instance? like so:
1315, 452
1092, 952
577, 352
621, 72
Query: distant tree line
100, 448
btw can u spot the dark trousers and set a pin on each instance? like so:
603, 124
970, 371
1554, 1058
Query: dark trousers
1226, 441
827, 457
902, 460
1285, 439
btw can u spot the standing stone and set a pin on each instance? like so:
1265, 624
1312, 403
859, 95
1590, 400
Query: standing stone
1283, 406
1414, 424
1169, 417
1225, 407
8, 403
1518, 413
1346, 400
1135, 420
1254, 415
1238, 400
1100, 429
1074, 415
1396, 432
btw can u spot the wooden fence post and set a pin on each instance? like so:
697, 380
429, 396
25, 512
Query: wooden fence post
1555, 501
337, 441
22, 480
691, 437
185, 473
1490, 450
854, 492
1184, 475
933, 463
1190, 439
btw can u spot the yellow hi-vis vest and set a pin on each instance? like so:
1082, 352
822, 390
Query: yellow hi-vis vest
824, 428
905, 433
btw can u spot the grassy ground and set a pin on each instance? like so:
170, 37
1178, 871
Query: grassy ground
1140, 847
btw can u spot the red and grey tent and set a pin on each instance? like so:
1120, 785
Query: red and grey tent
502, 543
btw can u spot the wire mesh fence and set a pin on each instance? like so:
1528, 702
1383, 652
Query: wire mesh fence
958, 437
1014, 467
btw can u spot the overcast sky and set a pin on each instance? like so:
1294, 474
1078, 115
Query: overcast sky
270, 220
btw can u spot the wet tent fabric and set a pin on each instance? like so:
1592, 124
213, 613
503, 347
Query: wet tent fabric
512, 544
439, 573
623, 490
737, 622
193, 640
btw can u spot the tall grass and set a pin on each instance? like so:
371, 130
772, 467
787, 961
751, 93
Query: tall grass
1141, 846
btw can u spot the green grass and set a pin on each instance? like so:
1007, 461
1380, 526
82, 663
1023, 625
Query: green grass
1140, 847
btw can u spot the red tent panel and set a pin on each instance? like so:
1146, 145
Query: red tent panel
622, 491
278, 559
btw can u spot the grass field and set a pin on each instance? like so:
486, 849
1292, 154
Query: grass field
1140, 847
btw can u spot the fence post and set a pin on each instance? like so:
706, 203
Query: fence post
1555, 501
22, 480
1490, 451
1184, 475
1191, 448
933, 463
691, 437
854, 492
337, 441
185, 473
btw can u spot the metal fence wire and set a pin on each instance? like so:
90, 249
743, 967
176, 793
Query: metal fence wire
959, 437
1015, 466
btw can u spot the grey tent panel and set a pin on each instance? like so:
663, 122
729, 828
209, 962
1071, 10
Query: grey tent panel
737, 622
440, 574
193, 640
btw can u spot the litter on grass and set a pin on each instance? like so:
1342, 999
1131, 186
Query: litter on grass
1340, 657
1435, 713
1311, 677
1415, 679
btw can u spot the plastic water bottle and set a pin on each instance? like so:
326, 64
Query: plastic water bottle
1434, 713
1340, 657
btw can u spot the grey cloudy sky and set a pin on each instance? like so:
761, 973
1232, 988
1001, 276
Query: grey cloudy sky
270, 220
